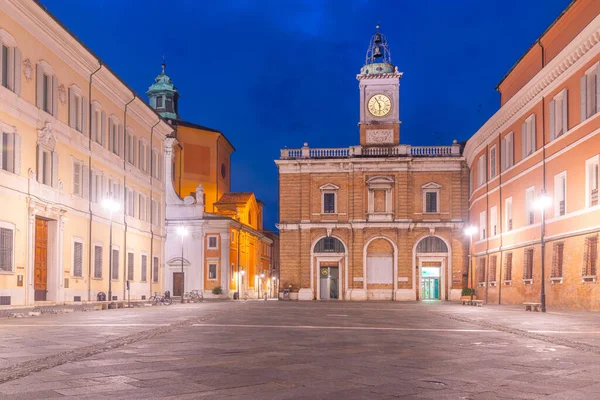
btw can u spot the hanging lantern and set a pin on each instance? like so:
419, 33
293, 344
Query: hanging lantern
377, 52
378, 37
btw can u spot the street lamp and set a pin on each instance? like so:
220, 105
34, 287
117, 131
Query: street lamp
182, 232
470, 231
111, 206
541, 203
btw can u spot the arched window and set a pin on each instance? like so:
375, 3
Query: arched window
329, 245
432, 244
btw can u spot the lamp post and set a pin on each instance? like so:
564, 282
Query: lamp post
470, 231
182, 232
111, 206
541, 203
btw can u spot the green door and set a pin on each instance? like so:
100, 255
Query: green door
430, 288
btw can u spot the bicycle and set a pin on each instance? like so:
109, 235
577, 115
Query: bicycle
160, 299
246, 296
195, 296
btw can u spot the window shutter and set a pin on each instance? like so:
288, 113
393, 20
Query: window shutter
86, 182
39, 169
10, 73
148, 211
510, 150
102, 134
134, 150
17, 71
54, 169
95, 177
532, 133
597, 78
39, 90
17, 154
97, 262
583, 97
72, 108
84, 115
1, 57
94, 134
524, 139
503, 154
77, 259
135, 205
54, 97
564, 112
148, 158
76, 179
552, 120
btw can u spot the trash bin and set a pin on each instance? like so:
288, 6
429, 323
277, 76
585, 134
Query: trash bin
286, 294
236, 295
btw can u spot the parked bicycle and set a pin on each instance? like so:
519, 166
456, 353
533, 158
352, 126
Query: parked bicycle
195, 296
246, 296
160, 299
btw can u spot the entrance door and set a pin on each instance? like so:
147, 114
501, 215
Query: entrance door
430, 283
178, 283
329, 285
40, 282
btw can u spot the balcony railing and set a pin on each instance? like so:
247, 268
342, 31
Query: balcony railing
402, 150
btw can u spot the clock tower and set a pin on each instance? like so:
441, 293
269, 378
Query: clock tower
379, 83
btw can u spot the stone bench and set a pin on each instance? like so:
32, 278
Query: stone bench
477, 303
532, 306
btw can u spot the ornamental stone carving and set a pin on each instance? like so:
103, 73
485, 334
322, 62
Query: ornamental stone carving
27, 69
62, 94
188, 200
380, 136
46, 137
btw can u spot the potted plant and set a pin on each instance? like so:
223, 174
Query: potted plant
466, 294
217, 290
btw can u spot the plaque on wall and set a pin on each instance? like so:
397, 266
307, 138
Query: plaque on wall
380, 136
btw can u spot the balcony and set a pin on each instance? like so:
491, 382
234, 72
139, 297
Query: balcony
402, 150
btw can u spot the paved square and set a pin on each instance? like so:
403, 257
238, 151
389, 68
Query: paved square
290, 350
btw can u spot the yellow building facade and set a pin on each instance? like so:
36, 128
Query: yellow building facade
73, 134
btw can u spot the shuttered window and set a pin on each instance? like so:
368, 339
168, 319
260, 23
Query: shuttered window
10, 152
144, 266
558, 115
77, 259
590, 257
492, 162
528, 264
10, 67
528, 136
492, 272
590, 92
507, 152
115, 265
557, 259
98, 262
6, 250
155, 269
130, 266
481, 271
508, 267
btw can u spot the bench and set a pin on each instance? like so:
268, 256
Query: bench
532, 306
477, 303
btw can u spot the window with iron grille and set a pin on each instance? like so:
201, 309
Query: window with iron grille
590, 257
508, 267
115, 265
130, 258
6, 249
431, 203
481, 270
329, 245
144, 268
528, 264
492, 272
78, 259
97, 261
155, 269
557, 259
328, 203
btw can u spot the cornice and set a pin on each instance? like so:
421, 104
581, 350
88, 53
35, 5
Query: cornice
557, 68
389, 75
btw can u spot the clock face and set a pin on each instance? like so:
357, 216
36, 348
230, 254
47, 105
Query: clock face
379, 105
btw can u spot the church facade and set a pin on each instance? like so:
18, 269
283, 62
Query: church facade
377, 221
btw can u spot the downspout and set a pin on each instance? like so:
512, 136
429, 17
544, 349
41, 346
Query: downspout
125, 197
151, 260
542, 244
487, 218
499, 282
180, 167
217, 175
90, 181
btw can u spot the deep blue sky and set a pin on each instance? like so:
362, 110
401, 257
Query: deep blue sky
275, 73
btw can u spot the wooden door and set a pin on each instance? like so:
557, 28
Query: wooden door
177, 283
40, 283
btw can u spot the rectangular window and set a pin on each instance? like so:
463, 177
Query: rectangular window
482, 225
508, 267
78, 259
98, 125
97, 187
155, 269
77, 178
77, 110
492, 272
431, 203
159, 102
47, 93
47, 166
590, 92
558, 115
142, 207
97, 262
590, 257
528, 136
10, 146
509, 214
212, 271
528, 264
557, 259
507, 152
493, 221
379, 201
492, 162
529, 211
329, 203
591, 181
560, 194
130, 266
4, 66
6, 249
481, 171
144, 268
212, 243
114, 275
481, 271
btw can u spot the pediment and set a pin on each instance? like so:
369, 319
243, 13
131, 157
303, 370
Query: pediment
176, 262
329, 186
431, 185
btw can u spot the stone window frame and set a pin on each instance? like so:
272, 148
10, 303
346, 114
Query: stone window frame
143, 267
216, 246
380, 182
11, 227
13, 152
77, 120
13, 62
329, 188
215, 262
49, 98
431, 187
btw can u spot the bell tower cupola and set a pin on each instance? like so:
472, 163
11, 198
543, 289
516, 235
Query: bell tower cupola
163, 95
379, 83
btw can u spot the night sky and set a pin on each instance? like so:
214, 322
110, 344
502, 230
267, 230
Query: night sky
275, 73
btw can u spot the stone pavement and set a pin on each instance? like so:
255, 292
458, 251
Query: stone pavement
291, 350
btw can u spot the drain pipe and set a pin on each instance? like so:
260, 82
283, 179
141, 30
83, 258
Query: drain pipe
217, 175
151, 213
125, 197
90, 185
542, 243
500, 155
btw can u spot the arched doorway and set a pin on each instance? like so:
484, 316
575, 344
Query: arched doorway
329, 256
432, 259
380, 269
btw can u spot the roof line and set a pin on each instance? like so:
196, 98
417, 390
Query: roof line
535, 42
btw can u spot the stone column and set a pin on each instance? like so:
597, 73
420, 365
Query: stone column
225, 250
